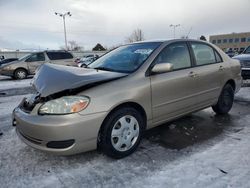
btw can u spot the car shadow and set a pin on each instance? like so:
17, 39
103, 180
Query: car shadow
8, 78
192, 129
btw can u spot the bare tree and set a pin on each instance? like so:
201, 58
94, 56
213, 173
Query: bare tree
73, 46
137, 35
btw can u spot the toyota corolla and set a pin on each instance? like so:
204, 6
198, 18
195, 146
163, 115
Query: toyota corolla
135, 87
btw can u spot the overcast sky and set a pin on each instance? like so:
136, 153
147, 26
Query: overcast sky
32, 23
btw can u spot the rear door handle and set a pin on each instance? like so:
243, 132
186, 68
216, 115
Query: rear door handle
192, 74
221, 68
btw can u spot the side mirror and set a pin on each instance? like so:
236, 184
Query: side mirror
162, 68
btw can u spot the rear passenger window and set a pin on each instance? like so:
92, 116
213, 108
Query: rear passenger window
66, 55
176, 54
203, 53
59, 55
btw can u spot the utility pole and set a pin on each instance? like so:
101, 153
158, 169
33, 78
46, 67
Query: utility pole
64, 26
174, 26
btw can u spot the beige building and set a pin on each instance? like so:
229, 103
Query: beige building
234, 41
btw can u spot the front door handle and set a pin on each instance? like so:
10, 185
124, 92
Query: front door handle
221, 68
192, 74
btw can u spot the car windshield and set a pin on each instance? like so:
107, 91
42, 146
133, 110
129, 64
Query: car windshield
125, 59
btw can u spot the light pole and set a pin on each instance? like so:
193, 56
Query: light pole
174, 26
64, 26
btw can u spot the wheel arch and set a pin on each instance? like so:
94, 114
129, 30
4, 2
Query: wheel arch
134, 105
21, 68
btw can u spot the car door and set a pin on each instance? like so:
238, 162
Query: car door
210, 71
173, 93
35, 61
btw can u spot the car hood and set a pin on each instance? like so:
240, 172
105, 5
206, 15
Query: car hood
7, 64
242, 57
51, 79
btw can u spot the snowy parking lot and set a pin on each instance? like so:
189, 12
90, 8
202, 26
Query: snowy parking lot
199, 150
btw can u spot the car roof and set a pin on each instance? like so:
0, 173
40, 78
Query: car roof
51, 51
56, 51
169, 41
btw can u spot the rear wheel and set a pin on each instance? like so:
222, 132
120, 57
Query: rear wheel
20, 74
225, 101
121, 132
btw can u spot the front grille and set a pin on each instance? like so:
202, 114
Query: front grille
245, 64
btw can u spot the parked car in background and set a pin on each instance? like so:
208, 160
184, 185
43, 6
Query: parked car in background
244, 59
241, 50
91, 55
230, 52
8, 60
135, 87
28, 64
85, 61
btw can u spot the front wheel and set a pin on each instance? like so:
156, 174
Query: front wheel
225, 101
121, 132
20, 74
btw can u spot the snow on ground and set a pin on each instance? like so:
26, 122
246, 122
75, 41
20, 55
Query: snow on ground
7, 105
243, 94
8, 83
220, 161
226, 164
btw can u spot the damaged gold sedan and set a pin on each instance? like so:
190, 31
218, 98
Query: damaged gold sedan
135, 87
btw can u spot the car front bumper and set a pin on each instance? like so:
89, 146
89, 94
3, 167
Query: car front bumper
6, 72
69, 134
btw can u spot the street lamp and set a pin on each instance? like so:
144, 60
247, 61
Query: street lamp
174, 26
63, 16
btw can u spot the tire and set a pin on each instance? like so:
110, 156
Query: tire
20, 74
225, 101
118, 136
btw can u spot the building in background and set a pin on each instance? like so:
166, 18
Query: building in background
236, 42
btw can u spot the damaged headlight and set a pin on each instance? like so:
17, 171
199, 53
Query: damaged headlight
64, 105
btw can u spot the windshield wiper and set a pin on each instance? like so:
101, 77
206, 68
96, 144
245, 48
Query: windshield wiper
105, 69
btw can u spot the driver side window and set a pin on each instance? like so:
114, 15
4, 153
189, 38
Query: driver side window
176, 54
36, 57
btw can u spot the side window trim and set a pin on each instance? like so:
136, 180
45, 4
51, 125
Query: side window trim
191, 52
216, 54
